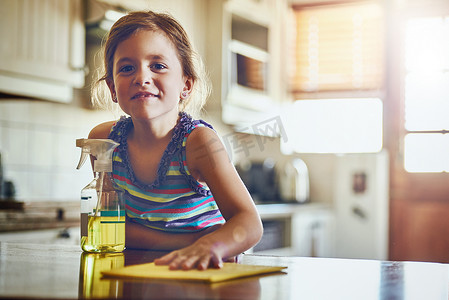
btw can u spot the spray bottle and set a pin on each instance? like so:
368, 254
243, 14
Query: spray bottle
102, 203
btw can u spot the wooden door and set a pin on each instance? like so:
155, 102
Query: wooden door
419, 217
419, 202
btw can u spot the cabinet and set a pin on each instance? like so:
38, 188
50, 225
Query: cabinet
252, 75
296, 230
43, 50
361, 205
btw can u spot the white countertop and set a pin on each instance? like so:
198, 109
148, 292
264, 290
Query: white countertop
282, 210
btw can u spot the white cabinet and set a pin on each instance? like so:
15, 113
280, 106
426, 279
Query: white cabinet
313, 233
43, 48
252, 77
297, 230
361, 206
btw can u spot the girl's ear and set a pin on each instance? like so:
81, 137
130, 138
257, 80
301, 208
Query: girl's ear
111, 87
188, 86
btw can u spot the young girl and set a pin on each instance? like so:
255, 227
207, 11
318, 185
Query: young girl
182, 192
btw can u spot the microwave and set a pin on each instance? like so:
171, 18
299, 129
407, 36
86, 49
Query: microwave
247, 78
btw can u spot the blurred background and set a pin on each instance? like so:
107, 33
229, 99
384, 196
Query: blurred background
333, 112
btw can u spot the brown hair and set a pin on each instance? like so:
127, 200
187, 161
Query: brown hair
190, 61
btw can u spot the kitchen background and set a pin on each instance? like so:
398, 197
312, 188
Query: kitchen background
330, 173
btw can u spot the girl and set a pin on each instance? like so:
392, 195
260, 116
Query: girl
182, 192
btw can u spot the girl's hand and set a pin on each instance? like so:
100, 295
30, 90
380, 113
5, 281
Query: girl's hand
199, 255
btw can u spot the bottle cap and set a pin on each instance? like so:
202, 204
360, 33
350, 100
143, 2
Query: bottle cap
102, 166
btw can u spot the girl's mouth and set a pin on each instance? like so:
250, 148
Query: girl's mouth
143, 95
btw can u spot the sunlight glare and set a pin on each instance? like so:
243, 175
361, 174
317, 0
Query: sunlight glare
336, 126
426, 152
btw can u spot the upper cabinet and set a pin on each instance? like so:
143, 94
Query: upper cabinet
252, 66
42, 54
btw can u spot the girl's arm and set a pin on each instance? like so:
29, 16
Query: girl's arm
141, 237
208, 160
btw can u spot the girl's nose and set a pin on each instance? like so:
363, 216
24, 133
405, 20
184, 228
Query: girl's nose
143, 77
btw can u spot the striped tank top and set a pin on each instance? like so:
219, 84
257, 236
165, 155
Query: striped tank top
175, 201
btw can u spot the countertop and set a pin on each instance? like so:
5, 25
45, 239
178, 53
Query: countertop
40, 215
65, 214
31, 271
282, 210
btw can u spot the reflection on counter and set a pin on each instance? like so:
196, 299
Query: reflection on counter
91, 285
244, 288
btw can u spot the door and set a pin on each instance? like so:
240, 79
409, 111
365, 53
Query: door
417, 124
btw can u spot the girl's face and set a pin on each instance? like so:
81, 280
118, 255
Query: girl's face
148, 80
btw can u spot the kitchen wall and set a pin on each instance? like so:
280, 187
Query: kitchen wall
37, 138
37, 142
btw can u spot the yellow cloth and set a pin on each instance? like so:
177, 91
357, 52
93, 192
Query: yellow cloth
227, 272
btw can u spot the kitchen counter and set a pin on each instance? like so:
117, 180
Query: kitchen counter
40, 215
31, 271
64, 214
282, 210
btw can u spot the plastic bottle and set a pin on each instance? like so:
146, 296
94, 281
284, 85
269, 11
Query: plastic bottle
102, 203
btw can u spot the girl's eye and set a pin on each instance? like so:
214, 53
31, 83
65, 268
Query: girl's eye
125, 69
158, 66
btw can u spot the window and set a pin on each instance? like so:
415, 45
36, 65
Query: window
337, 79
334, 126
338, 47
426, 143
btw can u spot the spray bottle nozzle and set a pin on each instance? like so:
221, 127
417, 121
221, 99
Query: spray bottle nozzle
100, 148
84, 153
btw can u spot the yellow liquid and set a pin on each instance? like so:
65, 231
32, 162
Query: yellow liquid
91, 284
105, 234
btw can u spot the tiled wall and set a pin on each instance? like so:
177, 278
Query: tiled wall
37, 143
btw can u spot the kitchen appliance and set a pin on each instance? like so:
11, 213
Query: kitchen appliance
294, 181
260, 180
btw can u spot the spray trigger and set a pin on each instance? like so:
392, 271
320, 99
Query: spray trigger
82, 159
84, 153
100, 148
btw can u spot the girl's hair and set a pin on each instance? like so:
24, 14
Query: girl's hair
190, 61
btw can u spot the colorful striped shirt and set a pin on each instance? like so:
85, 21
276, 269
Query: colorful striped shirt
175, 201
